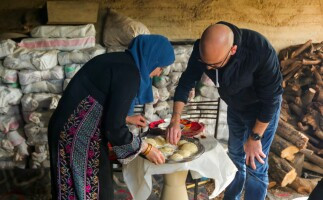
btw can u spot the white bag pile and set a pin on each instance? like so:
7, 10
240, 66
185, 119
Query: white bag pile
13, 147
74, 60
32, 74
37, 110
166, 85
64, 38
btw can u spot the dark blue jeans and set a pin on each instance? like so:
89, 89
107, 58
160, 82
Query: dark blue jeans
254, 182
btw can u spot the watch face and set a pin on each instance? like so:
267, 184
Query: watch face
255, 136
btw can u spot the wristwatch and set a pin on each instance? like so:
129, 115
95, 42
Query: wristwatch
255, 136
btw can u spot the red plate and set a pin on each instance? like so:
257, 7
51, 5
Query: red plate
191, 128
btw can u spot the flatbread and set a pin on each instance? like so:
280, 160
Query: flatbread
181, 142
191, 147
176, 157
160, 141
167, 151
184, 153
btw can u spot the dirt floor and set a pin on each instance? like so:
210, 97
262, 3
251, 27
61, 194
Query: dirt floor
35, 185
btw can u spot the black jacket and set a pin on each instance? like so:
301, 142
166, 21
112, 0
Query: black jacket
250, 80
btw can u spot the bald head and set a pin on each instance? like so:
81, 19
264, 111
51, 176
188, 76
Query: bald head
215, 43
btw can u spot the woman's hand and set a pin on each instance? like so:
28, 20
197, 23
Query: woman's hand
137, 120
154, 155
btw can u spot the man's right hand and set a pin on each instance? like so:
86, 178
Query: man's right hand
173, 132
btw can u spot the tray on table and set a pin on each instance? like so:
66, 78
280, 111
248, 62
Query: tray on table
196, 141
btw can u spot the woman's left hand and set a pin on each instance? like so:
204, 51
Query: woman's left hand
137, 120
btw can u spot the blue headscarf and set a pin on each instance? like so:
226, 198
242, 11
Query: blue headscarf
149, 52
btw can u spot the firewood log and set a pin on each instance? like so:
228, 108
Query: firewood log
308, 96
314, 149
301, 127
318, 46
288, 98
298, 163
312, 139
297, 110
314, 159
283, 148
317, 76
293, 66
305, 81
301, 49
311, 62
304, 186
286, 63
314, 119
294, 90
306, 151
280, 170
313, 168
294, 136
319, 91
271, 184
298, 102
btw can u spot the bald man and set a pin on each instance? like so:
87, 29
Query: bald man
245, 68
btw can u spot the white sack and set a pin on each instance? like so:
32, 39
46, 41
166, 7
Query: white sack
63, 31
51, 86
36, 134
71, 70
9, 96
80, 56
32, 102
6, 47
29, 59
163, 94
62, 44
8, 75
31, 76
119, 30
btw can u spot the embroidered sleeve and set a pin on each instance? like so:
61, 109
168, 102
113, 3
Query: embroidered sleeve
126, 153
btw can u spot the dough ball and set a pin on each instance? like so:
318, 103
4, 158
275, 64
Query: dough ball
161, 139
181, 142
159, 142
176, 157
151, 141
184, 153
167, 151
191, 147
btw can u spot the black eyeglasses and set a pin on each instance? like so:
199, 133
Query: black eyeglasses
215, 65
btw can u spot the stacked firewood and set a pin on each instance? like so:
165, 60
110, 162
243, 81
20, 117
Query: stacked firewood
298, 143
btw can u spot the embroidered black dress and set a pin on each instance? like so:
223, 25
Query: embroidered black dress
92, 112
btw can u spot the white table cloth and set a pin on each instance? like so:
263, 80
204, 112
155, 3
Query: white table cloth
214, 163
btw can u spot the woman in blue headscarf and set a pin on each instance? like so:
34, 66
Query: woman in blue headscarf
93, 111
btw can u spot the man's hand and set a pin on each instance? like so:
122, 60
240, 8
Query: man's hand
253, 149
137, 120
173, 132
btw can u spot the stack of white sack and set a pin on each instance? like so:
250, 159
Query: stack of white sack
37, 109
167, 83
64, 38
37, 73
13, 147
8, 76
74, 60
40, 157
